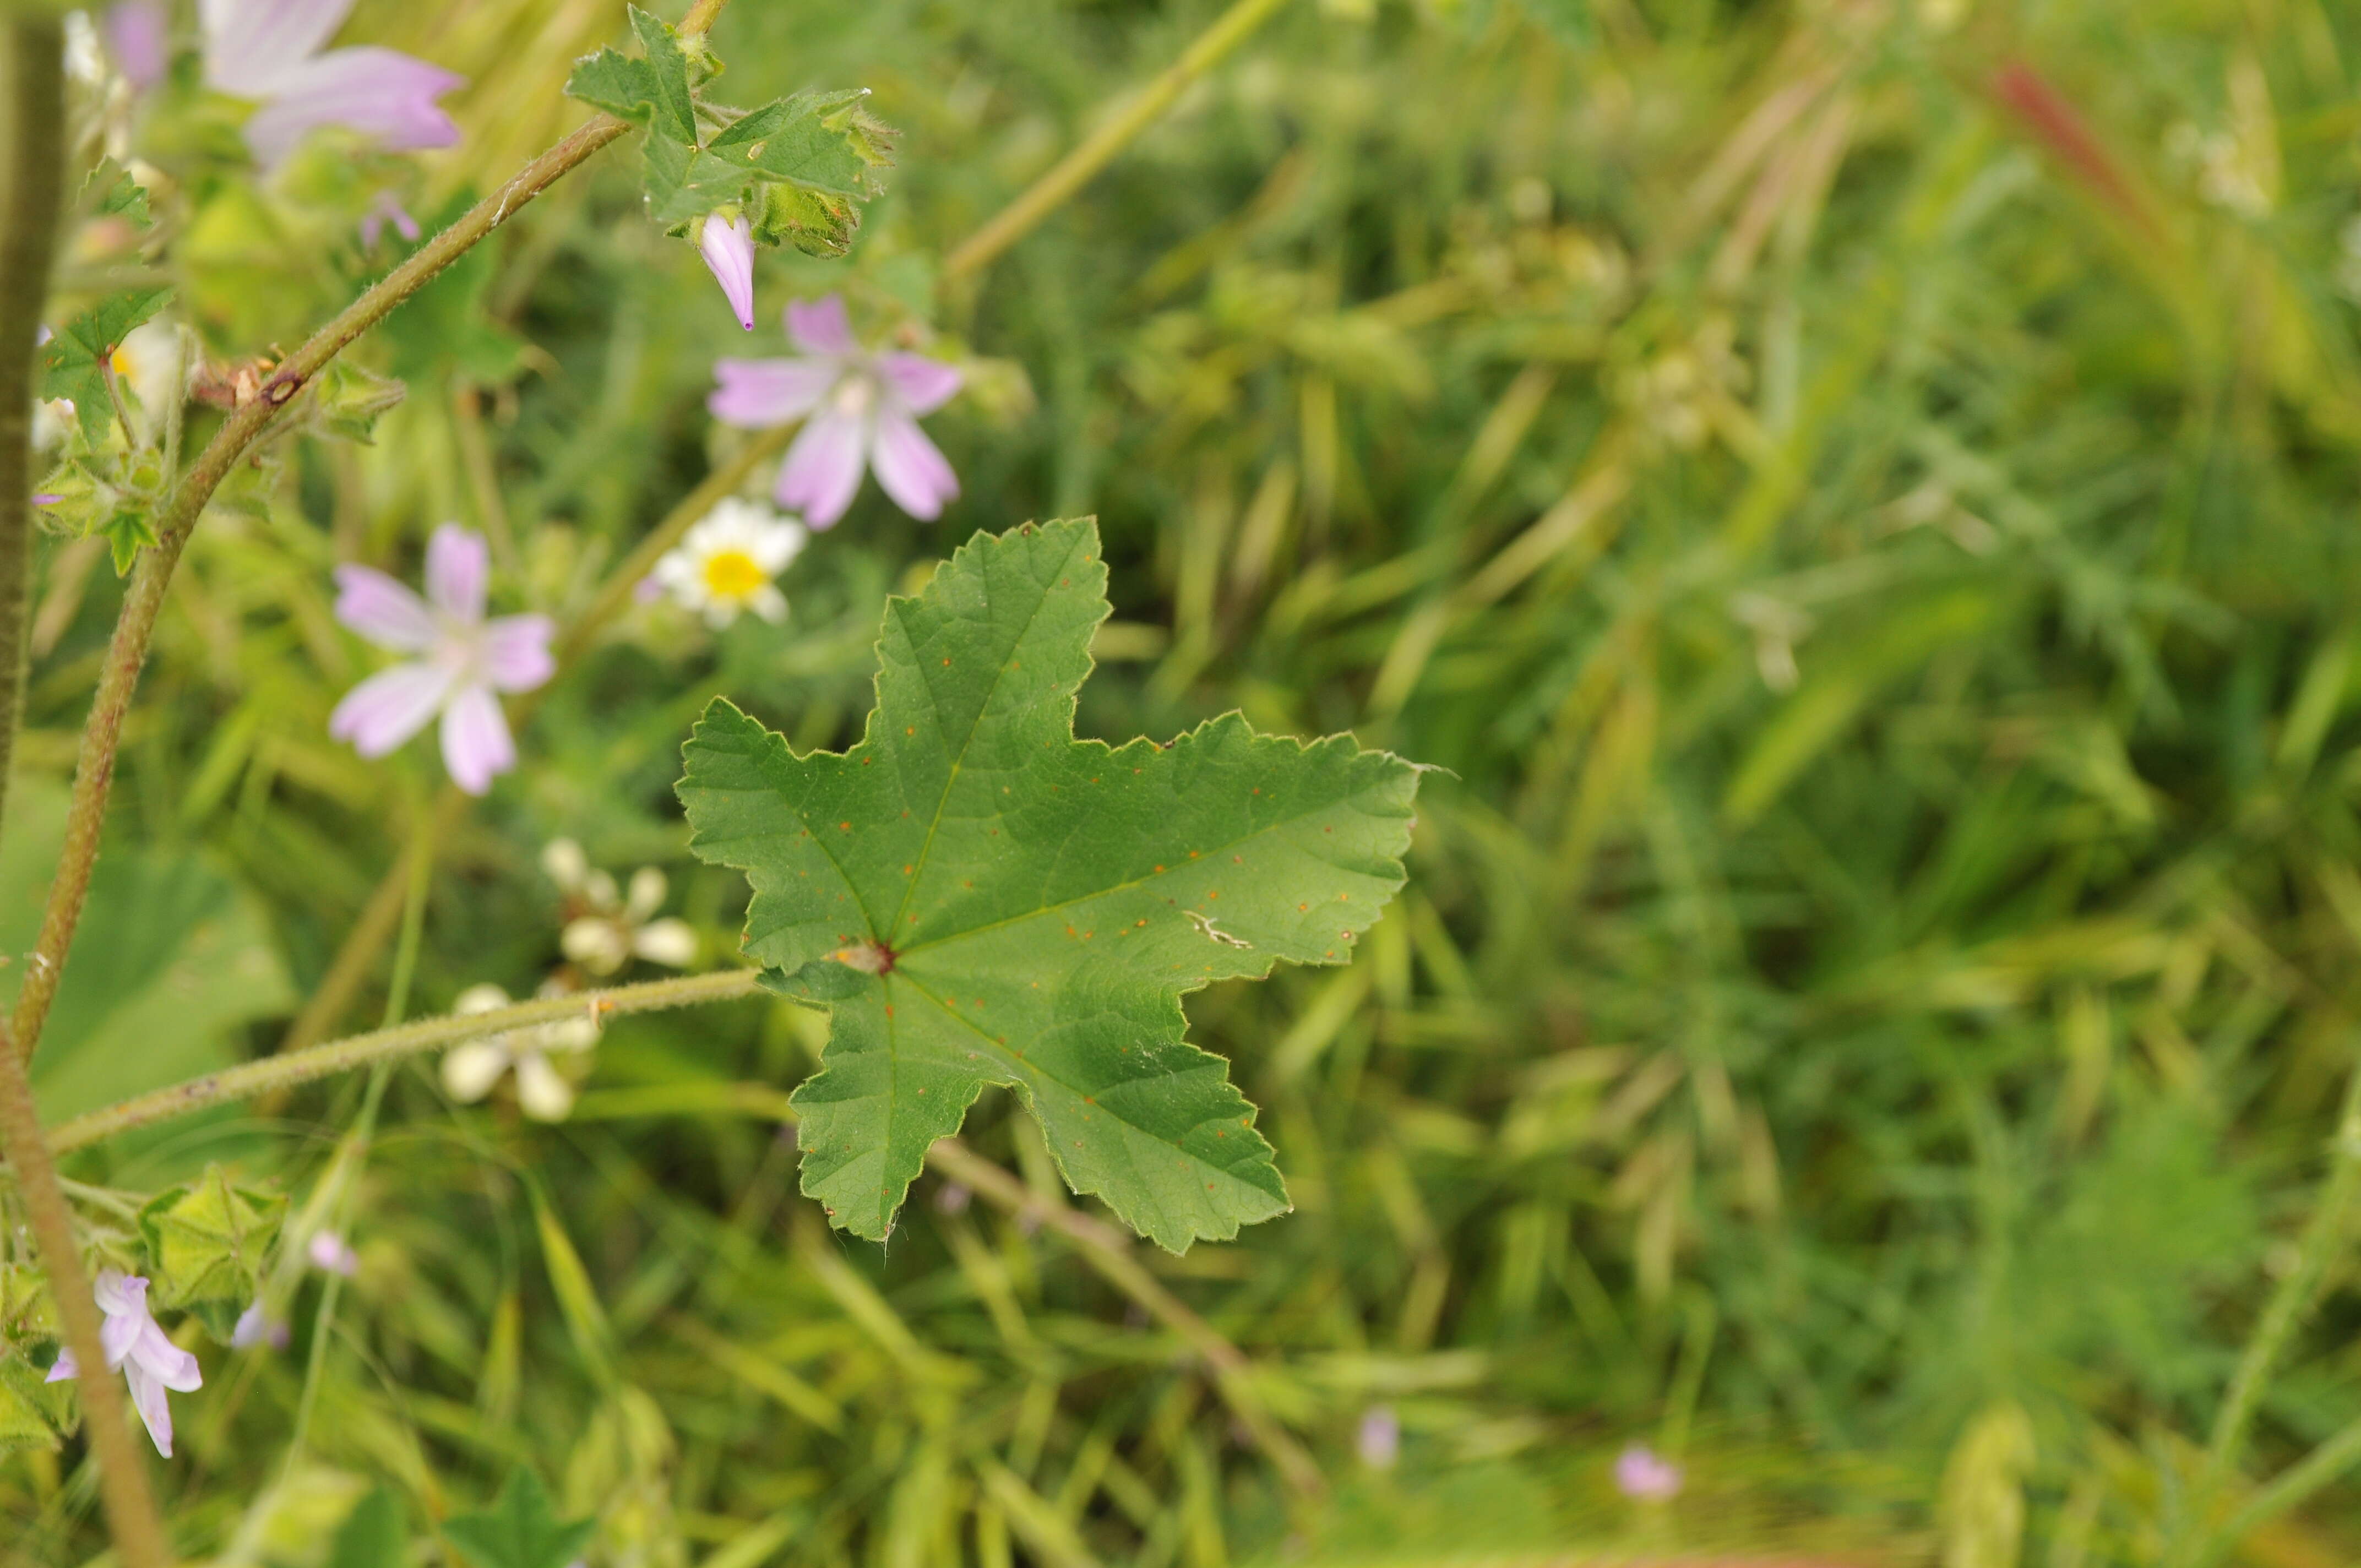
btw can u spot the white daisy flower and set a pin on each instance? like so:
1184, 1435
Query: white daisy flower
470, 1070
726, 563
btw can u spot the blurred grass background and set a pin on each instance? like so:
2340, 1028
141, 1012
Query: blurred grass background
1859, 493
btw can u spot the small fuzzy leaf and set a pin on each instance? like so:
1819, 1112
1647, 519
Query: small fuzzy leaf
1015, 906
676, 108
207, 1241
519, 1530
612, 80
793, 140
73, 362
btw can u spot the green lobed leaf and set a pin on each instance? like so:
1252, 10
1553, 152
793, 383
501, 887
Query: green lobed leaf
675, 107
519, 1530
208, 1240
73, 362
372, 1535
612, 80
979, 898
795, 140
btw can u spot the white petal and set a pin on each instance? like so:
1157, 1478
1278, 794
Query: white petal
469, 1070
484, 998
595, 943
565, 863
647, 895
672, 942
542, 1090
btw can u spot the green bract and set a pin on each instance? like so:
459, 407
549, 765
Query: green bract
207, 1242
73, 363
982, 899
795, 167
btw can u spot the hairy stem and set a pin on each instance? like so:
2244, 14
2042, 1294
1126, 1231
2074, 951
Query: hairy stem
32, 176
127, 650
358, 956
250, 1078
1098, 149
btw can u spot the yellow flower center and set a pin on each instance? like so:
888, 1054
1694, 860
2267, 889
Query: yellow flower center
119, 365
733, 575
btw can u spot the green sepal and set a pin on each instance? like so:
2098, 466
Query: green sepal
27, 1314
815, 222
73, 362
347, 402
207, 1241
34, 1413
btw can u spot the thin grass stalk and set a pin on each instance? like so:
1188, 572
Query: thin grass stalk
1098, 149
32, 178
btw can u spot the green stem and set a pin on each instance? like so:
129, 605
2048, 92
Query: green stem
127, 650
2323, 1238
32, 116
285, 1071
1098, 149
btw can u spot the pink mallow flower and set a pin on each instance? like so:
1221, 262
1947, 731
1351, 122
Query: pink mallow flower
462, 659
138, 1348
269, 51
861, 410
728, 252
1642, 1474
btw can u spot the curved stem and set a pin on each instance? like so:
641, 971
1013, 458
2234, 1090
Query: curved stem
127, 649
32, 115
1098, 149
250, 1078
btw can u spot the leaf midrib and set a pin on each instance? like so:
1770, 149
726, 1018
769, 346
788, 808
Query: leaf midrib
958, 759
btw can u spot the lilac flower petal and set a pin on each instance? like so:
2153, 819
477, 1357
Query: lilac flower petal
382, 94
516, 652
136, 35
384, 611
820, 327
476, 744
156, 1354
63, 1367
251, 45
457, 564
119, 1331
910, 467
823, 469
729, 251
1642, 1474
47, 500
758, 394
155, 1410
924, 385
389, 707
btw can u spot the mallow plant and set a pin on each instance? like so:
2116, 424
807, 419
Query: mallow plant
971, 895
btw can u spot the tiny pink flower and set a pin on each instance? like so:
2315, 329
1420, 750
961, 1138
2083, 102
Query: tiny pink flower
150, 1362
728, 252
254, 1327
385, 210
269, 51
462, 659
1642, 1475
861, 410
332, 1254
1378, 1441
